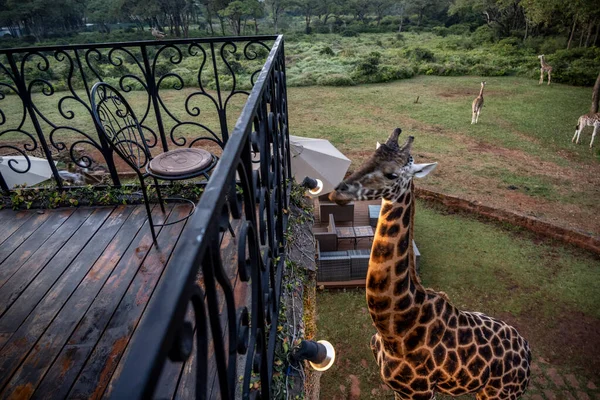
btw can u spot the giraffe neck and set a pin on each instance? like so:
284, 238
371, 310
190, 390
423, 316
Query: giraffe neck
392, 281
481, 91
543, 62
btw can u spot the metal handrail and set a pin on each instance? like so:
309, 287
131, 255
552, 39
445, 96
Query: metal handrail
256, 201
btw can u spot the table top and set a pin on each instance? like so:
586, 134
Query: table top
363, 231
345, 232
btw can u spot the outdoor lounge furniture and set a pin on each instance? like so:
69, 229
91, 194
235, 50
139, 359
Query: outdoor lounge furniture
336, 266
343, 213
328, 240
125, 136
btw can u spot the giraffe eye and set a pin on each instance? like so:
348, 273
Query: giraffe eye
391, 176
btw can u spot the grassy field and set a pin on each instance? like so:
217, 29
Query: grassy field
549, 292
518, 157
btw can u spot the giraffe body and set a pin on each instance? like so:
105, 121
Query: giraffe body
158, 34
423, 343
547, 68
587, 120
477, 105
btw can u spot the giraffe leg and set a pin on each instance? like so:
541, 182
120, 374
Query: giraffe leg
477, 118
594, 134
541, 76
548, 77
575, 135
473, 118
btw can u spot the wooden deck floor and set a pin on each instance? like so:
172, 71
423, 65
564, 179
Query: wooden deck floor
74, 283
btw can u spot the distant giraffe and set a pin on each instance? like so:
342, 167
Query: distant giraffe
587, 120
545, 68
477, 105
423, 343
158, 34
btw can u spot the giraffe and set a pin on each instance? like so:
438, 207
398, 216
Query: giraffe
592, 119
423, 343
545, 68
477, 105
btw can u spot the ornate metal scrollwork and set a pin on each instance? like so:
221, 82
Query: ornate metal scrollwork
145, 71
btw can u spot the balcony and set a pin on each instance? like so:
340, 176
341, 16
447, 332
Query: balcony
90, 306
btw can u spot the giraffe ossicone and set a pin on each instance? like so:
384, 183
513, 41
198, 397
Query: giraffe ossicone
423, 343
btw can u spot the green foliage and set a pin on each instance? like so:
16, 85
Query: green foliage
420, 54
327, 51
370, 64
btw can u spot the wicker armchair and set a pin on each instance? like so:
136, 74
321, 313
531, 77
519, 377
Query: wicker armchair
328, 239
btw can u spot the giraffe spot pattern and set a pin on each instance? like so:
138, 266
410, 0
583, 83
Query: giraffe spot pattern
424, 343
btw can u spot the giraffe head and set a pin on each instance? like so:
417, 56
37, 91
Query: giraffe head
541, 56
387, 174
483, 83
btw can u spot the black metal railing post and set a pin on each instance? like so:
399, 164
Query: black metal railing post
153, 93
25, 95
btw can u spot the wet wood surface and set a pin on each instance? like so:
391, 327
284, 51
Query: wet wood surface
74, 285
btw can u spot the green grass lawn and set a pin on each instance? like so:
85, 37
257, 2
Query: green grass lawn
543, 288
518, 157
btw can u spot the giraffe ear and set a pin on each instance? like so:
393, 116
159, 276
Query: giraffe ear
421, 170
378, 145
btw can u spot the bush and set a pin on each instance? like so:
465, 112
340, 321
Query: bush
420, 54
348, 32
459, 29
327, 51
335, 80
440, 31
483, 34
370, 65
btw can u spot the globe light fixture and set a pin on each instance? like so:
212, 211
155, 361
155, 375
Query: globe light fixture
320, 355
314, 186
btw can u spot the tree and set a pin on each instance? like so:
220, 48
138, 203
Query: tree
380, 8
276, 8
308, 9
504, 16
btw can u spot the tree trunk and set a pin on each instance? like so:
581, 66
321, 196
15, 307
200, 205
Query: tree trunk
581, 37
572, 33
595, 96
255, 26
589, 34
596, 34
401, 19
526, 29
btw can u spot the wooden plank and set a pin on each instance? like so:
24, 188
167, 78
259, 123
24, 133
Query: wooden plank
30, 291
343, 284
41, 256
10, 221
73, 296
22, 240
103, 361
79, 252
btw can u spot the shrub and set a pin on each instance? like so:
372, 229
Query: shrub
420, 54
459, 29
327, 51
370, 65
349, 32
440, 31
335, 80
483, 34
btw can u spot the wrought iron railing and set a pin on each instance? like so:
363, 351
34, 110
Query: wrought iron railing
45, 97
217, 311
